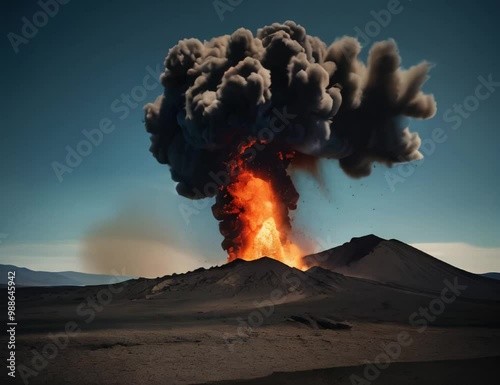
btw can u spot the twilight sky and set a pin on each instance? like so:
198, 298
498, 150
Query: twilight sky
93, 65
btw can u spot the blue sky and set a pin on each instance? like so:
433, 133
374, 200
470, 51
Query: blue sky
72, 74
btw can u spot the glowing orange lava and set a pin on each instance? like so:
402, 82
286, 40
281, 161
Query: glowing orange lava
263, 229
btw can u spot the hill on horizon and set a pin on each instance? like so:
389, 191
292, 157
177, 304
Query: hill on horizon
396, 263
369, 257
27, 277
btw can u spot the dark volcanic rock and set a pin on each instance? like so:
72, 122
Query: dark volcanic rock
319, 322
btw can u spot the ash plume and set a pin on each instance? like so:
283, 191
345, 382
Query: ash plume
134, 243
221, 92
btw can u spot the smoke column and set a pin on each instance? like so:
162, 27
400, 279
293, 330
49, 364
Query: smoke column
239, 109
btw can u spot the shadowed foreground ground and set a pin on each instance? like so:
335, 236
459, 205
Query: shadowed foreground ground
454, 372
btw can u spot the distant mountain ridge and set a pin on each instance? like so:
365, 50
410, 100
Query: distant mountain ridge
27, 277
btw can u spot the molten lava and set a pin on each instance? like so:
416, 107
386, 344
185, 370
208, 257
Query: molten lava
253, 207
262, 218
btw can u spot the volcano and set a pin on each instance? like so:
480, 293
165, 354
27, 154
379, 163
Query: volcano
398, 264
239, 111
262, 316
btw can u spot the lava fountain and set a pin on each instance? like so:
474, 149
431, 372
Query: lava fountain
253, 210
263, 231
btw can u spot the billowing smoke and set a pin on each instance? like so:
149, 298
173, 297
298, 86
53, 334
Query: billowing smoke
134, 243
275, 97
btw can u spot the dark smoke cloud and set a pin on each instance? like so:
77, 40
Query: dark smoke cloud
220, 91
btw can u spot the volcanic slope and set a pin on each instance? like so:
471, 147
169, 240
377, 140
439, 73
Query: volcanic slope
398, 264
